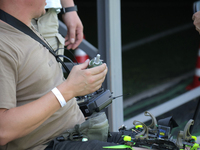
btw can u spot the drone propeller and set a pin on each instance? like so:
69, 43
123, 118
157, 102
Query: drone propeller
119, 147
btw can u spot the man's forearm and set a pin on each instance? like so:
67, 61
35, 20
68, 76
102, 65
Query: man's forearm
67, 3
20, 121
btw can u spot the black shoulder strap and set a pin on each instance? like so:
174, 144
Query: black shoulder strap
25, 29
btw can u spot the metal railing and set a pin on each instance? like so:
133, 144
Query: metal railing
165, 107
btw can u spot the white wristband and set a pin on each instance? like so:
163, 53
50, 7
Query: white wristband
59, 96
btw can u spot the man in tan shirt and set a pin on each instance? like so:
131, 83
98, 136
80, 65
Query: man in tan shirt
30, 113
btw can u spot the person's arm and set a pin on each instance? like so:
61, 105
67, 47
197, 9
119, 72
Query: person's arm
74, 25
20, 121
196, 18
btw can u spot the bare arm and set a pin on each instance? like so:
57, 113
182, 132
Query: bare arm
75, 28
196, 18
20, 121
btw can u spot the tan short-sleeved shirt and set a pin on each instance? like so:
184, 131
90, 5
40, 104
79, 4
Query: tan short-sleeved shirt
27, 72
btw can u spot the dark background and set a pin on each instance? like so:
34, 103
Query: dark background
157, 62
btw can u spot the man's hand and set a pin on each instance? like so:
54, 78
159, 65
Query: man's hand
82, 81
75, 29
196, 18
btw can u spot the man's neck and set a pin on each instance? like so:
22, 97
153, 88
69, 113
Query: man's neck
20, 15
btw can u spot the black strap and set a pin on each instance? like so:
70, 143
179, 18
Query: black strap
25, 29
68, 9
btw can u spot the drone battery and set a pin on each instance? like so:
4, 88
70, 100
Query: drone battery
163, 131
94, 102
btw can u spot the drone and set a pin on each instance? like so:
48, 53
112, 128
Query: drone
158, 135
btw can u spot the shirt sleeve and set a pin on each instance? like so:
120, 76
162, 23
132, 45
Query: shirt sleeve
8, 80
53, 4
